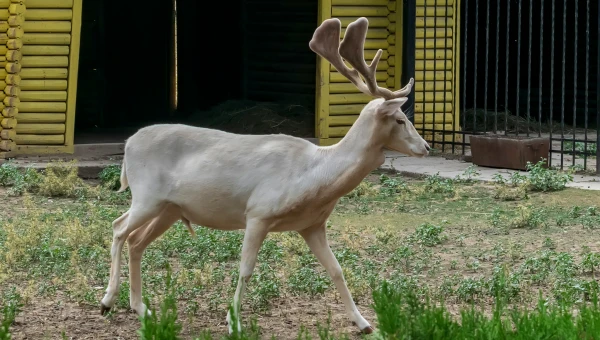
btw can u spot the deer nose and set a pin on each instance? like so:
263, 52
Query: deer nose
427, 147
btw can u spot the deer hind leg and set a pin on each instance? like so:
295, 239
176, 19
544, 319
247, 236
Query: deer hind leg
254, 236
137, 216
316, 240
137, 243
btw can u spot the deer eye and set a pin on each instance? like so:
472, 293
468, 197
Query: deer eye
400, 121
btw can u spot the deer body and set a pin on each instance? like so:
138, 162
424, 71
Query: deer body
262, 184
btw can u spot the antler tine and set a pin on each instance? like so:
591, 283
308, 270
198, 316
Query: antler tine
326, 43
352, 49
403, 92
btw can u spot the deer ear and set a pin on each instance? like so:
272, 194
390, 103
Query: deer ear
391, 106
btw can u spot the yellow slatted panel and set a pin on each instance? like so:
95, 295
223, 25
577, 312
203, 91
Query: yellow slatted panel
50, 32
345, 101
435, 66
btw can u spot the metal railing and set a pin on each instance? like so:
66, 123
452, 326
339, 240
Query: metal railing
525, 68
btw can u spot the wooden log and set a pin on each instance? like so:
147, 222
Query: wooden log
16, 8
7, 145
8, 123
347, 87
45, 61
429, 107
13, 55
14, 44
338, 131
15, 33
46, 39
36, 118
2, 84
373, 21
433, 75
4, 26
433, 32
43, 96
349, 98
3, 38
34, 107
434, 54
44, 73
48, 14
49, 3
10, 111
431, 11
345, 109
4, 13
43, 84
424, 118
12, 68
12, 79
431, 65
434, 22
10, 100
48, 50
344, 120
430, 97
40, 129
390, 82
336, 77
433, 43
358, 11
359, 2
8, 134
47, 26
12, 90
16, 20
3, 49
426, 3
431, 85
23, 139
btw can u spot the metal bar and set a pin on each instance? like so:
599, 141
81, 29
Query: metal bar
475, 64
552, 81
529, 66
562, 107
587, 80
445, 58
464, 75
425, 71
575, 79
598, 102
541, 68
506, 71
408, 54
518, 69
487, 48
497, 60
434, 74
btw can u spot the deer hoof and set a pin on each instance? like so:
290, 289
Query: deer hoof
367, 330
104, 309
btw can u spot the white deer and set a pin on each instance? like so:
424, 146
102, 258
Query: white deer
260, 183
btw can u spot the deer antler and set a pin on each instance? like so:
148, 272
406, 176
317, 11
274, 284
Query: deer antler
326, 43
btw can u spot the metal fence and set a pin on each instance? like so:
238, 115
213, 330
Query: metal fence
527, 68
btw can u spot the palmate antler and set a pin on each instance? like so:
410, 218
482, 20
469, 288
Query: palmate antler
326, 43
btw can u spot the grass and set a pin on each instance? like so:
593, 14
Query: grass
484, 258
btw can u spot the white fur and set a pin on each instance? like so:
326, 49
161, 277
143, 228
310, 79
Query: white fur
264, 183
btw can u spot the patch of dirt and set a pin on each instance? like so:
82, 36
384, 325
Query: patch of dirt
50, 318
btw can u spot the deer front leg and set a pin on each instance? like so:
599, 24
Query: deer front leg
254, 236
316, 239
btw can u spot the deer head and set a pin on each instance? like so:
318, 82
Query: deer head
390, 124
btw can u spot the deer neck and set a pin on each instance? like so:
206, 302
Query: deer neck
353, 158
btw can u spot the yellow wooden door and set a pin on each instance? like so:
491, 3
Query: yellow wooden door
435, 68
41, 82
339, 103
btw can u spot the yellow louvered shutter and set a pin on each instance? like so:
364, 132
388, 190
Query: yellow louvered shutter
435, 85
45, 75
338, 101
